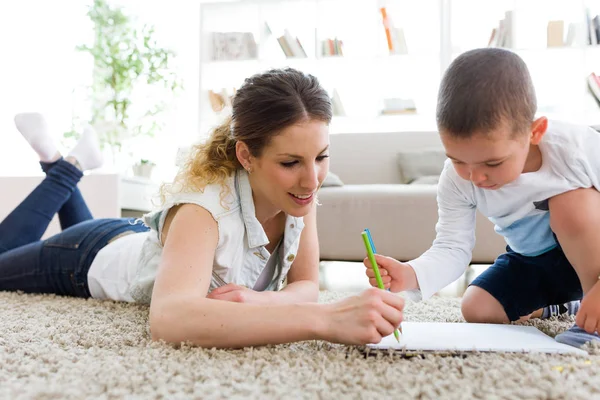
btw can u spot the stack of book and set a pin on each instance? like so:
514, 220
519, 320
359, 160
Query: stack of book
502, 35
394, 36
593, 82
291, 45
395, 106
577, 33
332, 47
230, 46
593, 28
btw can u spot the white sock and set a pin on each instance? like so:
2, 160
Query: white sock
34, 129
87, 150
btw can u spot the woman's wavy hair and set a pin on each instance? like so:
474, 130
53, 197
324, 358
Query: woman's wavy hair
262, 107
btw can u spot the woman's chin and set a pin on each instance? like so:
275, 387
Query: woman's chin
298, 210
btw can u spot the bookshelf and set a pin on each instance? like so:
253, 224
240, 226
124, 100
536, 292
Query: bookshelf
559, 61
367, 75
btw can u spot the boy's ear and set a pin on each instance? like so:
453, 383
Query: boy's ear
538, 129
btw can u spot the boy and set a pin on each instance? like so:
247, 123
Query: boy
536, 180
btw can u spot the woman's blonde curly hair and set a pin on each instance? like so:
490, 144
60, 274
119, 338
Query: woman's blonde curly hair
266, 104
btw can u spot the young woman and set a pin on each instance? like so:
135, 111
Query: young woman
237, 222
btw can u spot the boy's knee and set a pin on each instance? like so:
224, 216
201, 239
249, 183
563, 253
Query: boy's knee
478, 306
574, 211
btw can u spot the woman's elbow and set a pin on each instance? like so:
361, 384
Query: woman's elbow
311, 293
314, 294
158, 322
170, 322
166, 325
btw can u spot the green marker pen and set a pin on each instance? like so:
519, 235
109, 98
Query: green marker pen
371, 257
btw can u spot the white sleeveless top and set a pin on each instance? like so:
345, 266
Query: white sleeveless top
240, 256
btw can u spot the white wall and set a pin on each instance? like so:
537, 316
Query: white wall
100, 191
40, 69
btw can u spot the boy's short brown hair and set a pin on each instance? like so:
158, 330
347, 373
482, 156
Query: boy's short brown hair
481, 90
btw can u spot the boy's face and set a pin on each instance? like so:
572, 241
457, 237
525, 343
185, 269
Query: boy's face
493, 159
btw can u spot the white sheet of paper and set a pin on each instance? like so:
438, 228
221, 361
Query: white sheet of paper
445, 336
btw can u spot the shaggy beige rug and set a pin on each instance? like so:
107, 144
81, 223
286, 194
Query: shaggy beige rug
53, 347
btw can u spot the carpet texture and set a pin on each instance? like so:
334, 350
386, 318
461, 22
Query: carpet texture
53, 347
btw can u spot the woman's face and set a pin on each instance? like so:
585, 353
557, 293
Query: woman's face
292, 168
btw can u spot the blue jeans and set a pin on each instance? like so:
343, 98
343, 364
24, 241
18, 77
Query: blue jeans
60, 263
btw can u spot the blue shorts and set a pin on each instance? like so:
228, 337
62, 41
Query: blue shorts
524, 284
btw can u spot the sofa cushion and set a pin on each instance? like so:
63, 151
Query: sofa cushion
332, 180
402, 219
420, 163
426, 180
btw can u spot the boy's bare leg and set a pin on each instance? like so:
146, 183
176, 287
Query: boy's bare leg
480, 306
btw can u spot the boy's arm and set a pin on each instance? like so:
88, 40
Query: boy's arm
452, 248
588, 157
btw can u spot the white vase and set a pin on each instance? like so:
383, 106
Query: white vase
143, 170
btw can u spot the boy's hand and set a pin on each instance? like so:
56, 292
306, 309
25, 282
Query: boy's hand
588, 316
396, 276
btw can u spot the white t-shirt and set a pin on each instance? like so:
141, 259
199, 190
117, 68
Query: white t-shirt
114, 267
125, 269
570, 160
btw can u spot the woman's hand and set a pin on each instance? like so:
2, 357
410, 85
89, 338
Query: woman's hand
237, 294
365, 318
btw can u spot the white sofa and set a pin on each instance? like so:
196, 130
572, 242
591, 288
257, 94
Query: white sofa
401, 217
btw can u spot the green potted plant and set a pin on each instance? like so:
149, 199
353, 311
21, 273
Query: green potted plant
132, 81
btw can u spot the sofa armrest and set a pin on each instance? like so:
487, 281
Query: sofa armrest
402, 219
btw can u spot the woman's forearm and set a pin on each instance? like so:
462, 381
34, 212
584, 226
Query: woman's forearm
213, 323
296, 292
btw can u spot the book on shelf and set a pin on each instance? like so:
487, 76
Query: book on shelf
593, 28
291, 45
593, 82
395, 106
230, 46
555, 34
336, 104
501, 35
220, 100
395, 36
572, 34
